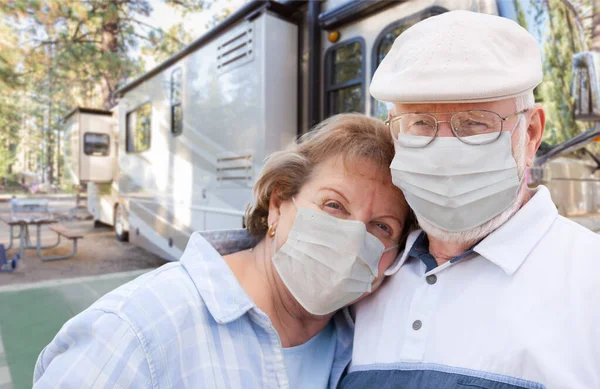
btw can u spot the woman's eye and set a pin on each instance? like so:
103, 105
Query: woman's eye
384, 227
334, 205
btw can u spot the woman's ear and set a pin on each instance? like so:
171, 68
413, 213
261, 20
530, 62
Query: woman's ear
274, 208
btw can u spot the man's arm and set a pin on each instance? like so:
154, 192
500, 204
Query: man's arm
94, 349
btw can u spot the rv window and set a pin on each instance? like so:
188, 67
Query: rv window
96, 144
139, 129
384, 43
176, 107
345, 77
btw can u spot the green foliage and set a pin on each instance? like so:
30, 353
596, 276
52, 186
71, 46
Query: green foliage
10, 122
521, 18
58, 54
561, 42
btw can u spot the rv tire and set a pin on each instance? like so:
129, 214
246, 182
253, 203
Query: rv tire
120, 233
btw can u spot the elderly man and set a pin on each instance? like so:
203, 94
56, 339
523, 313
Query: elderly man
498, 291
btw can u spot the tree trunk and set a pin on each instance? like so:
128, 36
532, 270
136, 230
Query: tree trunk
49, 140
110, 45
596, 27
58, 158
49, 132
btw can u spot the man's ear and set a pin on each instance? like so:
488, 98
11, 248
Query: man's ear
274, 208
535, 132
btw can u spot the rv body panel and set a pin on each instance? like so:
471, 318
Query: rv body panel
202, 177
102, 200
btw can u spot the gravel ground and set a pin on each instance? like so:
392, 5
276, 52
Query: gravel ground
98, 252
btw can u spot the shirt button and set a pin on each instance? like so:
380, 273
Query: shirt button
417, 325
431, 279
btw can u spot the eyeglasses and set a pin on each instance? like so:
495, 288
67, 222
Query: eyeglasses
422, 128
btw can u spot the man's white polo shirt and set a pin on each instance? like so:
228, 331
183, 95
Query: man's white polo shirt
523, 311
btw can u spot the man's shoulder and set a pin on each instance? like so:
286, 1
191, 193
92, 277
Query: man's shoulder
567, 236
566, 255
577, 229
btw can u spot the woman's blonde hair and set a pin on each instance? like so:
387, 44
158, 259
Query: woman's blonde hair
351, 136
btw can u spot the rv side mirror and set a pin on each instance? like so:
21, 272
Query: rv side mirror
585, 88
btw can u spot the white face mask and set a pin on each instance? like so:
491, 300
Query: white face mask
455, 186
326, 263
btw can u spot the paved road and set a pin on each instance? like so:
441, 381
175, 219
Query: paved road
32, 314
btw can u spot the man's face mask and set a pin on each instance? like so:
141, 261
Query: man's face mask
457, 185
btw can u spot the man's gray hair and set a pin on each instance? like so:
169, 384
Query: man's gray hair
526, 100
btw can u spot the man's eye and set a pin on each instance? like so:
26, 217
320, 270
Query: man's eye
420, 123
476, 124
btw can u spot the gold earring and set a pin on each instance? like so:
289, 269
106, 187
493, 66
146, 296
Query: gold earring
271, 231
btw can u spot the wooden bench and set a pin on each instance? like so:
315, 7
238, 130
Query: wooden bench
64, 232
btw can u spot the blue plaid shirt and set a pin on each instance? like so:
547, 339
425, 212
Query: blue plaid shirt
187, 324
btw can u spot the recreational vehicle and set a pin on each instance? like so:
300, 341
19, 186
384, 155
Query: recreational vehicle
189, 137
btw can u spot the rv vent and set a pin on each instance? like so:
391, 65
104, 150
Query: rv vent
236, 168
236, 48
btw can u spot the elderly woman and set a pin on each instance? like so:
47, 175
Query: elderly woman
328, 222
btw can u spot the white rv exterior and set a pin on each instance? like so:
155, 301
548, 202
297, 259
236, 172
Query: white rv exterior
193, 133
197, 174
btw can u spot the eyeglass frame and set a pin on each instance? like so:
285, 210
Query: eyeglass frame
449, 121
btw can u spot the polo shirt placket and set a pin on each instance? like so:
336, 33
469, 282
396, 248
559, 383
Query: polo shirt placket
426, 298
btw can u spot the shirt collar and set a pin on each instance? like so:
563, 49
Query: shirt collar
224, 297
403, 256
511, 243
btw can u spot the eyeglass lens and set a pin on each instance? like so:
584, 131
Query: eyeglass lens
421, 128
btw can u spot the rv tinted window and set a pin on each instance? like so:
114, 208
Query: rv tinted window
345, 77
176, 107
96, 144
384, 43
139, 129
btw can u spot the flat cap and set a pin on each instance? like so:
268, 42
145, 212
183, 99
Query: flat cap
459, 57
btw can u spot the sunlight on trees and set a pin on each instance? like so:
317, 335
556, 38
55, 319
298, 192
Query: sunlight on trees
58, 54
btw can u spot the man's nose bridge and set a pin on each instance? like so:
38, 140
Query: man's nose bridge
444, 128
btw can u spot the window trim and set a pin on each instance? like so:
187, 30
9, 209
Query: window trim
127, 150
96, 133
179, 103
362, 81
432, 11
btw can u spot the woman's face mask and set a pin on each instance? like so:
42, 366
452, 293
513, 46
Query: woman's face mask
327, 262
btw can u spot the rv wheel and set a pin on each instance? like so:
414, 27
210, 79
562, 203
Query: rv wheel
120, 233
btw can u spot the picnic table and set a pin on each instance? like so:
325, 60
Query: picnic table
23, 222
25, 213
